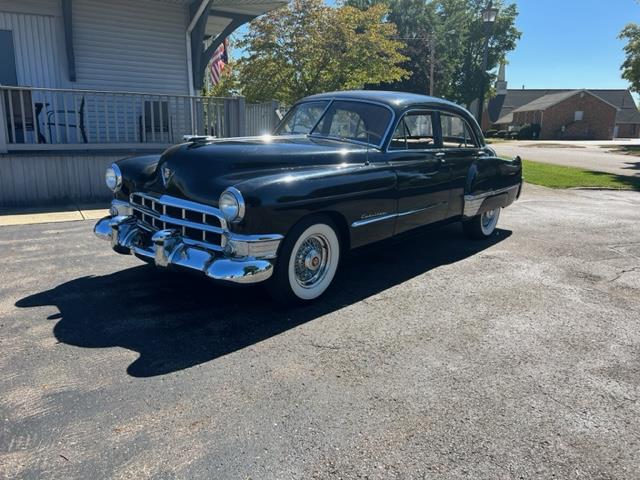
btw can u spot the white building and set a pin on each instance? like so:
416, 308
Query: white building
107, 77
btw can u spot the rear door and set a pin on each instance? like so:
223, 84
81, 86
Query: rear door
422, 177
459, 150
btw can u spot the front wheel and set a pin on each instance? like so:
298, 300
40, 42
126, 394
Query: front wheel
307, 262
483, 225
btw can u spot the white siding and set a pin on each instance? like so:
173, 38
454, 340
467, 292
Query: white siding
38, 42
130, 46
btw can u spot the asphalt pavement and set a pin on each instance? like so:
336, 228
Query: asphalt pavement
431, 357
595, 156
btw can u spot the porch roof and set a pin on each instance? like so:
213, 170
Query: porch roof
222, 18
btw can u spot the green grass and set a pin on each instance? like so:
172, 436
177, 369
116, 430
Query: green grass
556, 176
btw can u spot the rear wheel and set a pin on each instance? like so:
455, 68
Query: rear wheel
307, 262
483, 225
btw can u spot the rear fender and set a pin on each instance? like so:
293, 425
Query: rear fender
492, 182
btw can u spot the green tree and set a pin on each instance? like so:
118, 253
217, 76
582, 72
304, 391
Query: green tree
449, 33
631, 66
307, 47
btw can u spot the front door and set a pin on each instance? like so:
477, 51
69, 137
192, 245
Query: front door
422, 176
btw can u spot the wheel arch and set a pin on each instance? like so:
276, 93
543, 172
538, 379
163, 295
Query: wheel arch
339, 221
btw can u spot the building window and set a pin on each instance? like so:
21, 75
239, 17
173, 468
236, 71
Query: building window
578, 115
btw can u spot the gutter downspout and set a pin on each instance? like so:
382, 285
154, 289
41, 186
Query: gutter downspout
192, 92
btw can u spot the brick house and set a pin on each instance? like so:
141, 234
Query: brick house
554, 109
577, 115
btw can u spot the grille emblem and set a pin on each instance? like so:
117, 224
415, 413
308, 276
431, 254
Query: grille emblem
167, 173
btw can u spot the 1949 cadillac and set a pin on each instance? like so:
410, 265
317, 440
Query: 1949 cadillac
342, 170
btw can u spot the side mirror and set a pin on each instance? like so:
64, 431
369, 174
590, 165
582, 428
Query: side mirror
517, 160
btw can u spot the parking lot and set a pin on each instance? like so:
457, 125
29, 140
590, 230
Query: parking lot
431, 357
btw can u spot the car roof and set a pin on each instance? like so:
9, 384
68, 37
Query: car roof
396, 100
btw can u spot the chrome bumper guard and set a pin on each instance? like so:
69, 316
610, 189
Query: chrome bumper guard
168, 248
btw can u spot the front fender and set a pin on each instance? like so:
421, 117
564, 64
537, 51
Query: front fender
136, 171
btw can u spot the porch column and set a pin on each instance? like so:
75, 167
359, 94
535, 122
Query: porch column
3, 126
67, 17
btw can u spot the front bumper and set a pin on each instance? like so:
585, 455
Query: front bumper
168, 248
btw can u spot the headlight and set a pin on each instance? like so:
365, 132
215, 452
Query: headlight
231, 205
113, 178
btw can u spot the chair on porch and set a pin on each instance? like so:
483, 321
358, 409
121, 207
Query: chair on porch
60, 118
20, 110
156, 120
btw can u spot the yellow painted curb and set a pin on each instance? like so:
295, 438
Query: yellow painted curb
51, 217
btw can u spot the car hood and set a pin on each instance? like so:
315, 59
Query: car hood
201, 171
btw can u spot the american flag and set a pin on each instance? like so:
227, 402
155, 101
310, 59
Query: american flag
218, 60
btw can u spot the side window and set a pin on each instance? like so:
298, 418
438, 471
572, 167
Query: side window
455, 132
414, 132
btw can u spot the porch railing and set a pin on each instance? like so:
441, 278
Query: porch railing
60, 119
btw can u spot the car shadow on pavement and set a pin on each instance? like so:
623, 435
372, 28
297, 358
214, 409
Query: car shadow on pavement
176, 321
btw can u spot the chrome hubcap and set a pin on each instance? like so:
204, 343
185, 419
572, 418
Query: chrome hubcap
311, 260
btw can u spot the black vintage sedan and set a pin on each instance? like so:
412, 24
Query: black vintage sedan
342, 170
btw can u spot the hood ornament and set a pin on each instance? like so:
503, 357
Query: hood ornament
167, 173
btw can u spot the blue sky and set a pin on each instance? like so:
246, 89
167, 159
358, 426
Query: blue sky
570, 43
567, 43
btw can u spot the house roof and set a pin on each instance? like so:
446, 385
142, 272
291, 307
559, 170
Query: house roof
502, 106
223, 12
546, 101
508, 118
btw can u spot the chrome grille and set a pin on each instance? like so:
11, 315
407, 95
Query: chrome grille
197, 222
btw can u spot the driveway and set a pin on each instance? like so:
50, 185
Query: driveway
596, 156
432, 357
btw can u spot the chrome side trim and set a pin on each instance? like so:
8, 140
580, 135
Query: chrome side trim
472, 203
367, 221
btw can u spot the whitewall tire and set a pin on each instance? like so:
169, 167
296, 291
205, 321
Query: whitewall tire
307, 261
483, 225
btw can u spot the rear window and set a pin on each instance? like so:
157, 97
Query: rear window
456, 132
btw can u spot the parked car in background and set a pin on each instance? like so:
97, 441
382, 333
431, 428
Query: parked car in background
342, 170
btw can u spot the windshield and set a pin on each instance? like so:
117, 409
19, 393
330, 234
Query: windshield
344, 119
301, 118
